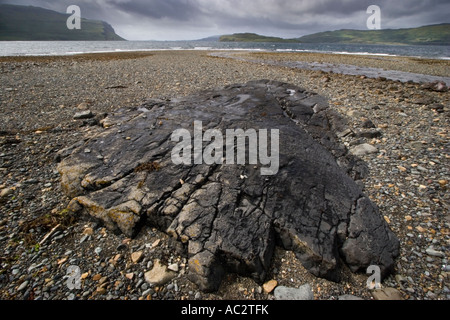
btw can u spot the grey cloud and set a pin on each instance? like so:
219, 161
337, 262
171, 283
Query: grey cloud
181, 10
288, 18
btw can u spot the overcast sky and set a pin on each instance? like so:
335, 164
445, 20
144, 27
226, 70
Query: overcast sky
195, 19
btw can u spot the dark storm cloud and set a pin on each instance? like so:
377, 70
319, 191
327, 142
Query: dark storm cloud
182, 10
190, 19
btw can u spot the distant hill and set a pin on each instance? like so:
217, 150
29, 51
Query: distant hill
428, 35
27, 23
252, 37
211, 39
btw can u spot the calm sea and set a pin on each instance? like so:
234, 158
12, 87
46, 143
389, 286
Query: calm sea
37, 48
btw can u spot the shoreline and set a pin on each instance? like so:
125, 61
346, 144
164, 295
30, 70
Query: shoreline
408, 177
203, 46
235, 50
391, 67
278, 51
370, 66
426, 66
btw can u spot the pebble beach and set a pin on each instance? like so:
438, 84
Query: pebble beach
408, 125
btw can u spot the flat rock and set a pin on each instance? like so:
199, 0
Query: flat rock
434, 253
86, 114
174, 267
363, 149
387, 294
159, 275
229, 217
22, 286
303, 293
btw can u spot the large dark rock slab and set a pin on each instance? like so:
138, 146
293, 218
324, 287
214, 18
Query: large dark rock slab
230, 217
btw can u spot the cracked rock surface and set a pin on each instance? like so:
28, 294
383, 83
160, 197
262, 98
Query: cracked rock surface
230, 217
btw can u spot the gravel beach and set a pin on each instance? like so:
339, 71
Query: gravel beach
39, 240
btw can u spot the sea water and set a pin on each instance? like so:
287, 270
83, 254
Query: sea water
51, 48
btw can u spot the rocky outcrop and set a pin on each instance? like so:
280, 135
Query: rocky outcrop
231, 216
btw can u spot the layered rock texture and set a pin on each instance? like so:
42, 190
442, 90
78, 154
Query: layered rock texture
230, 217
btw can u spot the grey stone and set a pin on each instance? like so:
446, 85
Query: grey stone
303, 293
87, 114
22, 286
434, 253
58, 237
230, 216
147, 292
174, 267
84, 238
363, 149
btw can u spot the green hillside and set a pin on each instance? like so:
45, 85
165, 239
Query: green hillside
27, 23
428, 35
252, 37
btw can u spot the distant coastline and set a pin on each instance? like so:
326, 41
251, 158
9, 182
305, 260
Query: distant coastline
438, 34
56, 48
28, 23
